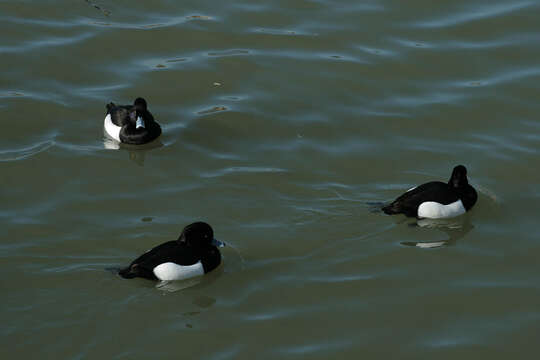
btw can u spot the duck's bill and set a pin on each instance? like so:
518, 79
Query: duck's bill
218, 243
139, 123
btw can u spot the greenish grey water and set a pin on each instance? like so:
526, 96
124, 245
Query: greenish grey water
283, 121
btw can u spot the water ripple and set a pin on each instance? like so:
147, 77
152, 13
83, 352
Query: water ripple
33, 21
26, 152
229, 52
150, 22
243, 169
507, 75
317, 347
281, 32
474, 13
506, 42
48, 42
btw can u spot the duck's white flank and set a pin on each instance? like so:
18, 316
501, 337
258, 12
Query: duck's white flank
434, 210
171, 271
110, 129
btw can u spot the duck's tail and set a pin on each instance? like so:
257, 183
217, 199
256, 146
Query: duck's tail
123, 272
374, 206
109, 106
135, 270
129, 272
391, 209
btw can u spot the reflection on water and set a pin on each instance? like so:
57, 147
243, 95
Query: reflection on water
110, 144
137, 153
137, 156
455, 228
455, 223
173, 286
204, 301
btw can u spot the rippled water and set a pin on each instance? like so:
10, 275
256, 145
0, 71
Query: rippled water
285, 124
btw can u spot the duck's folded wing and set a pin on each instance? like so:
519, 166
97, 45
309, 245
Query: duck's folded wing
119, 114
143, 265
432, 191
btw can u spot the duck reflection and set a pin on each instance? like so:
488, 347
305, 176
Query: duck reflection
455, 228
137, 153
173, 286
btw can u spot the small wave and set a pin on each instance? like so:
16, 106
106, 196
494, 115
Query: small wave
281, 32
98, 92
339, 278
474, 14
505, 76
150, 22
377, 51
40, 22
81, 148
230, 52
510, 41
21, 154
316, 347
212, 110
46, 42
311, 55
12, 94
502, 146
489, 193
243, 169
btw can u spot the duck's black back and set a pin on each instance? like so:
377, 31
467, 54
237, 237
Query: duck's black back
119, 113
171, 251
408, 202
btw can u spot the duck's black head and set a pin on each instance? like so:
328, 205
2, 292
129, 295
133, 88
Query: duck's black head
140, 104
459, 177
139, 113
198, 234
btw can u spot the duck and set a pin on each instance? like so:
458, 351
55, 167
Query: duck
193, 254
131, 124
436, 199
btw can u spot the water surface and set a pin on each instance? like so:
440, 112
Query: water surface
283, 123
